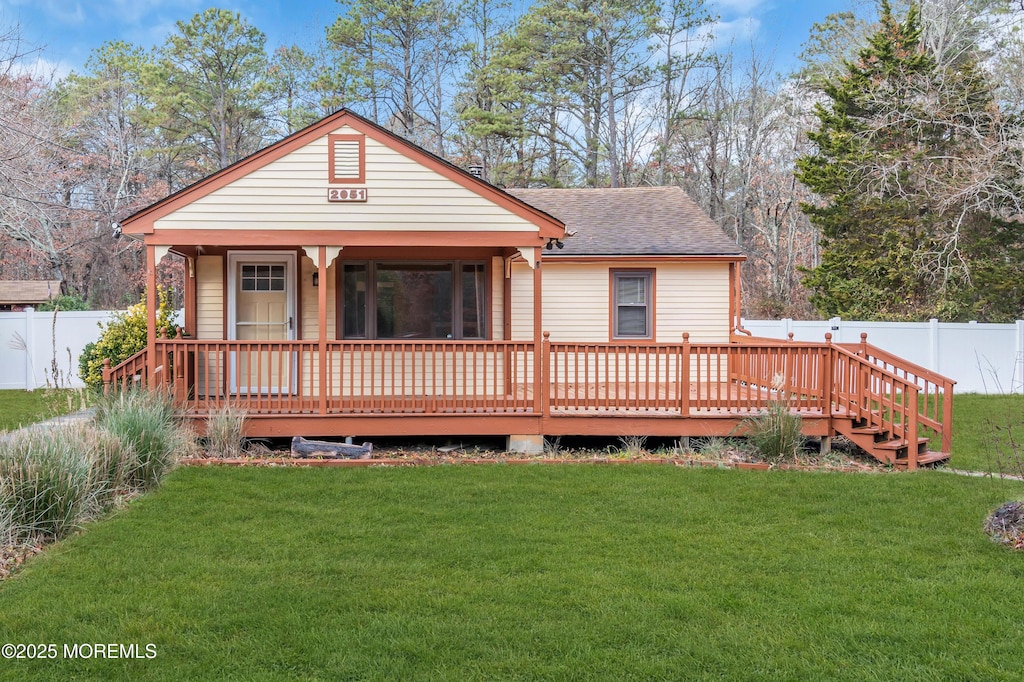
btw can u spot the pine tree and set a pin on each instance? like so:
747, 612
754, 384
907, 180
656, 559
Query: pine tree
907, 168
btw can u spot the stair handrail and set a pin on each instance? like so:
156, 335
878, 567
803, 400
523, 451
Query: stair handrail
134, 367
908, 428
922, 376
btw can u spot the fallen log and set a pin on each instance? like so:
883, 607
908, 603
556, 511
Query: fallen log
320, 448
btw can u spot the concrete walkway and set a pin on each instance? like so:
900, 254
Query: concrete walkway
79, 417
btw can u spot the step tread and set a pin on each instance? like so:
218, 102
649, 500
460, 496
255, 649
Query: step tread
929, 457
898, 443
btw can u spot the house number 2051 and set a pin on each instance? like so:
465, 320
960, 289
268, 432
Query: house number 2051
346, 194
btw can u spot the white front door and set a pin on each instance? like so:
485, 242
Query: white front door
261, 309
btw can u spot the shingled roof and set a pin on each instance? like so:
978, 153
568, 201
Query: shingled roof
630, 221
28, 292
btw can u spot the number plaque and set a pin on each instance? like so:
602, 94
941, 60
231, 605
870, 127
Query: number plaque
343, 194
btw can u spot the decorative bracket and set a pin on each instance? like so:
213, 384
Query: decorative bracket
528, 254
313, 254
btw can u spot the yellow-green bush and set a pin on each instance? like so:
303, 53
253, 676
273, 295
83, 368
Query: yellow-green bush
123, 337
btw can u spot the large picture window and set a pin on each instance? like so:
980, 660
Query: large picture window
632, 304
414, 300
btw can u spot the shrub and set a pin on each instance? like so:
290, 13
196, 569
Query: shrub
145, 421
123, 337
225, 431
775, 433
64, 302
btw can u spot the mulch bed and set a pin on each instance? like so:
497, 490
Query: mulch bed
13, 557
431, 456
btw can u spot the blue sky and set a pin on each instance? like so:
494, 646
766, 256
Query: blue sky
67, 30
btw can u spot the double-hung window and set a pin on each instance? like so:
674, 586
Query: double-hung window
414, 300
632, 304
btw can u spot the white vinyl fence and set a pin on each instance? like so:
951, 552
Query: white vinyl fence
40, 349
981, 358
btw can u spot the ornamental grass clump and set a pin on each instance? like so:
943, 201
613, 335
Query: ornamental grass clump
225, 432
145, 421
47, 487
775, 433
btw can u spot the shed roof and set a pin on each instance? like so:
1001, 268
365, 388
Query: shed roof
631, 221
24, 291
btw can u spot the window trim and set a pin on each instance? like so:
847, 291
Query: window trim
331, 178
371, 297
614, 276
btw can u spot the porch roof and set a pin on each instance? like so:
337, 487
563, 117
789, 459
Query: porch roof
631, 221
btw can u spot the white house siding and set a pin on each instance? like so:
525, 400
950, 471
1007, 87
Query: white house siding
689, 297
290, 193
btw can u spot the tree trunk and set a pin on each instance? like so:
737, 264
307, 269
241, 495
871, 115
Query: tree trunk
318, 448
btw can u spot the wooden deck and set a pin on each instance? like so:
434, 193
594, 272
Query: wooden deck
373, 388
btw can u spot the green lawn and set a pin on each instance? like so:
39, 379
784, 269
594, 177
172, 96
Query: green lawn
980, 441
19, 408
534, 572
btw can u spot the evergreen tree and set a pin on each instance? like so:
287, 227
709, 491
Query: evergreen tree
908, 168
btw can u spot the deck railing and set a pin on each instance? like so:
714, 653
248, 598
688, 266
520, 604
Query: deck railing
286, 377
436, 377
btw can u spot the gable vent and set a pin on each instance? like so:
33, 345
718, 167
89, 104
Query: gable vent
346, 158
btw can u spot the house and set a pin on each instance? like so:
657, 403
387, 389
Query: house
344, 282
16, 295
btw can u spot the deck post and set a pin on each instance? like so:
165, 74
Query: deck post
947, 416
684, 391
321, 268
106, 376
539, 400
151, 304
912, 407
864, 390
545, 383
827, 384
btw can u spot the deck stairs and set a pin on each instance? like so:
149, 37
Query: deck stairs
878, 442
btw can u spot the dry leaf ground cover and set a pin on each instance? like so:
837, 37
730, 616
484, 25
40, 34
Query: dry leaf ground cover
533, 572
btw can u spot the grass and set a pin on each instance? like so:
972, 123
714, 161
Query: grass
976, 423
19, 408
536, 572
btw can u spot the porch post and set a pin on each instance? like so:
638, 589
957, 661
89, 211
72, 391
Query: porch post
191, 307
539, 401
322, 324
151, 303
684, 389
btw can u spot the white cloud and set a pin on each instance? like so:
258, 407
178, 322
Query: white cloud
42, 69
736, 32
